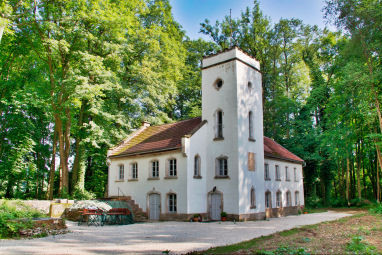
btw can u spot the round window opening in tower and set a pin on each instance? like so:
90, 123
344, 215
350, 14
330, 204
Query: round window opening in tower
249, 85
218, 84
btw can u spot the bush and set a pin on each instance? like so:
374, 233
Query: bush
377, 209
313, 202
360, 202
358, 247
79, 194
15, 217
339, 202
285, 250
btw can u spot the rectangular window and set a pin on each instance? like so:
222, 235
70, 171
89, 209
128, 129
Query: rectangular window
155, 169
297, 198
121, 172
172, 167
295, 175
268, 200
197, 166
278, 173
222, 167
251, 161
172, 203
287, 178
219, 120
266, 172
278, 199
134, 170
250, 125
289, 199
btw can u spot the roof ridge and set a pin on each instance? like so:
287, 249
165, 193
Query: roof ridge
175, 122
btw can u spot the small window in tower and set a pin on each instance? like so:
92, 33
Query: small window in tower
249, 86
218, 84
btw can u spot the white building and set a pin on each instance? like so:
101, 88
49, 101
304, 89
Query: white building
219, 162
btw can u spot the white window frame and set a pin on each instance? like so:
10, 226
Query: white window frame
279, 199
297, 198
121, 172
277, 173
172, 203
154, 169
268, 199
221, 167
288, 199
219, 124
172, 167
197, 165
134, 170
287, 177
267, 176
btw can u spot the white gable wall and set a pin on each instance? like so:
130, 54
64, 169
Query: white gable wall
283, 185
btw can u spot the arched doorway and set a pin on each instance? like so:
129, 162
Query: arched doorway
215, 204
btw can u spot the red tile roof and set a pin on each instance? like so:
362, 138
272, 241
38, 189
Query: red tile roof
273, 149
169, 137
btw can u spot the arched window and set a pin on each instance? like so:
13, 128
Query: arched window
197, 166
249, 85
171, 203
288, 199
253, 198
297, 198
121, 173
268, 199
218, 84
279, 200
250, 126
219, 124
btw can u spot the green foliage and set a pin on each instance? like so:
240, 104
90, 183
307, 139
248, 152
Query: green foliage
313, 202
377, 209
14, 217
358, 246
83, 195
285, 250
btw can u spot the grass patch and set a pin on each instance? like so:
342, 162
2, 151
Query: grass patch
315, 210
357, 234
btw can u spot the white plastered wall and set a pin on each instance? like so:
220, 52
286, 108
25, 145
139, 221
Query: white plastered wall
139, 189
273, 185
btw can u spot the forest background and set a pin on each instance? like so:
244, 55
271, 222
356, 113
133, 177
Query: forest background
77, 76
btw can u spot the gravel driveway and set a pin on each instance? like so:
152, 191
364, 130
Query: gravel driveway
178, 237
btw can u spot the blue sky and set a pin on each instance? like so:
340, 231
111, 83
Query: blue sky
190, 13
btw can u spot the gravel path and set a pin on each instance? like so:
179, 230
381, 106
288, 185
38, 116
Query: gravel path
153, 238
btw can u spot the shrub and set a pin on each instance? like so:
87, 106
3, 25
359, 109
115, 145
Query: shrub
285, 250
358, 247
79, 194
15, 217
339, 202
377, 209
313, 202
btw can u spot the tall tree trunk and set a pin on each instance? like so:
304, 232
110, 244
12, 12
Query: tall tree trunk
347, 179
380, 166
52, 167
78, 170
358, 171
64, 173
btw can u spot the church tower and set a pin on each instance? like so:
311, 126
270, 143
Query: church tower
232, 107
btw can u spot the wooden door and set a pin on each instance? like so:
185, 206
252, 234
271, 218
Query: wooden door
216, 206
154, 206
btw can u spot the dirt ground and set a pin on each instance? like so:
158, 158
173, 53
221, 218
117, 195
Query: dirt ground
325, 238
